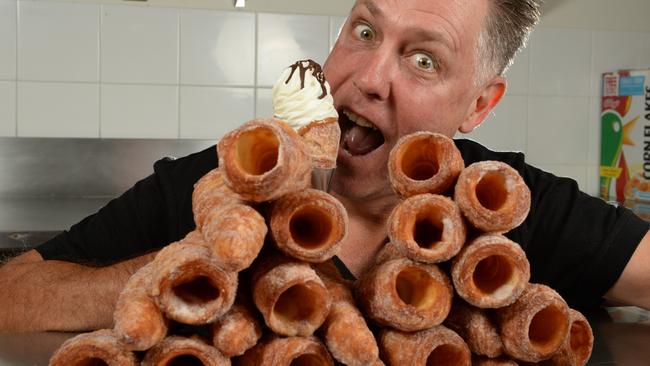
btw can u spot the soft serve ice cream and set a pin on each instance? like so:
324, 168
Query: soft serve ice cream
302, 96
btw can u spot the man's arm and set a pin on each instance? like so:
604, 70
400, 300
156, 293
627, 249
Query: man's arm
49, 295
633, 287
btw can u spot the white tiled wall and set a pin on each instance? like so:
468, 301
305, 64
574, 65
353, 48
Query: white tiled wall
69, 69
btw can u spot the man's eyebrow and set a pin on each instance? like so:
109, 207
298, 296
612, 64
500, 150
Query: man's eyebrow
430, 35
373, 8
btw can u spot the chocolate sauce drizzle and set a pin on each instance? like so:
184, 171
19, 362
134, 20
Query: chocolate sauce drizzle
315, 69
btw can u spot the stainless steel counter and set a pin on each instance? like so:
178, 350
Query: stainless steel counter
622, 337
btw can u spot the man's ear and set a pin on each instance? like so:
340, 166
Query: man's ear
487, 99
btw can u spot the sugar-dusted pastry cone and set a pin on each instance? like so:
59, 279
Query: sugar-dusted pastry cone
577, 347
424, 162
536, 325
321, 140
309, 225
434, 346
264, 159
345, 332
175, 350
235, 234
289, 351
405, 295
236, 331
477, 329
490, 272
388, 251
427, 228
291, 297
485, 361
492, 196
189, 284
209, 192
139, 323
97, 348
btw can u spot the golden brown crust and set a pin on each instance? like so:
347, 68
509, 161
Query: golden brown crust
174, 347
405, 295
89, 347
577, 347
427, 228
263, 160
209, 192
321, 140
190, 286
235, 233
291, 297
485, 361
424, 162
279, 351
536, 325
491, 271
236, 331
346, 333
492, 196
310, 225
476, 328
139, 324
434, 346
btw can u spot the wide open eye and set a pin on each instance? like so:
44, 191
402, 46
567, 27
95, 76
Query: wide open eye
424, 61
364, 32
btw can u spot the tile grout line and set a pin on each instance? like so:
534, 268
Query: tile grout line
16, 77
255, 62
99, 71
178, 72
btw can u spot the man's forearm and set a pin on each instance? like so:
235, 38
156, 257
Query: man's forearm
53, 295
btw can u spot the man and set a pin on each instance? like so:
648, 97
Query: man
398, 67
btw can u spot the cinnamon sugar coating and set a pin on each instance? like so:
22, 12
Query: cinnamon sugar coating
264, 159
179, 350
536, 325
310, 225
427, 228
236, 331
321, 140
280, 351
405, 295
485, 361
139, 323
91, 347
492, 196
477, 329
210, 192
491, 271
424, 162
577, 347
434, 346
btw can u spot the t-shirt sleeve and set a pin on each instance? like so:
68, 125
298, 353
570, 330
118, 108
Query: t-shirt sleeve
153, 213
577, 244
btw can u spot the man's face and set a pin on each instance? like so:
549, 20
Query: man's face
400, 66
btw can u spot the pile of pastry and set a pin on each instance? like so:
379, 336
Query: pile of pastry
257, 284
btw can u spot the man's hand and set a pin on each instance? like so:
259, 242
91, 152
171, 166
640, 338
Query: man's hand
40, 295
633, 287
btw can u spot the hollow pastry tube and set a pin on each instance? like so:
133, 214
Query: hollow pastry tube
321, 140
291, 297
345, 332
189, 284
286, 351
405, 295
577, 347
139, 323
175, 350
100, 347
263, 160
492, 196
536, 325
309, 225
424, 162
209, 192
235, 234
434, 346
236, 331
490, 272
485, 361
427, 228
477, 329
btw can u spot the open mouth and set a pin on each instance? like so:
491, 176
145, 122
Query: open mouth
358, 135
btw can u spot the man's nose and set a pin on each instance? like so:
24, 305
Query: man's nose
374, 75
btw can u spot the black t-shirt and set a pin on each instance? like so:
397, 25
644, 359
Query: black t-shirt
577, 244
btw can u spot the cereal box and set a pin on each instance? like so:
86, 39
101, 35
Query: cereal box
625, 136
